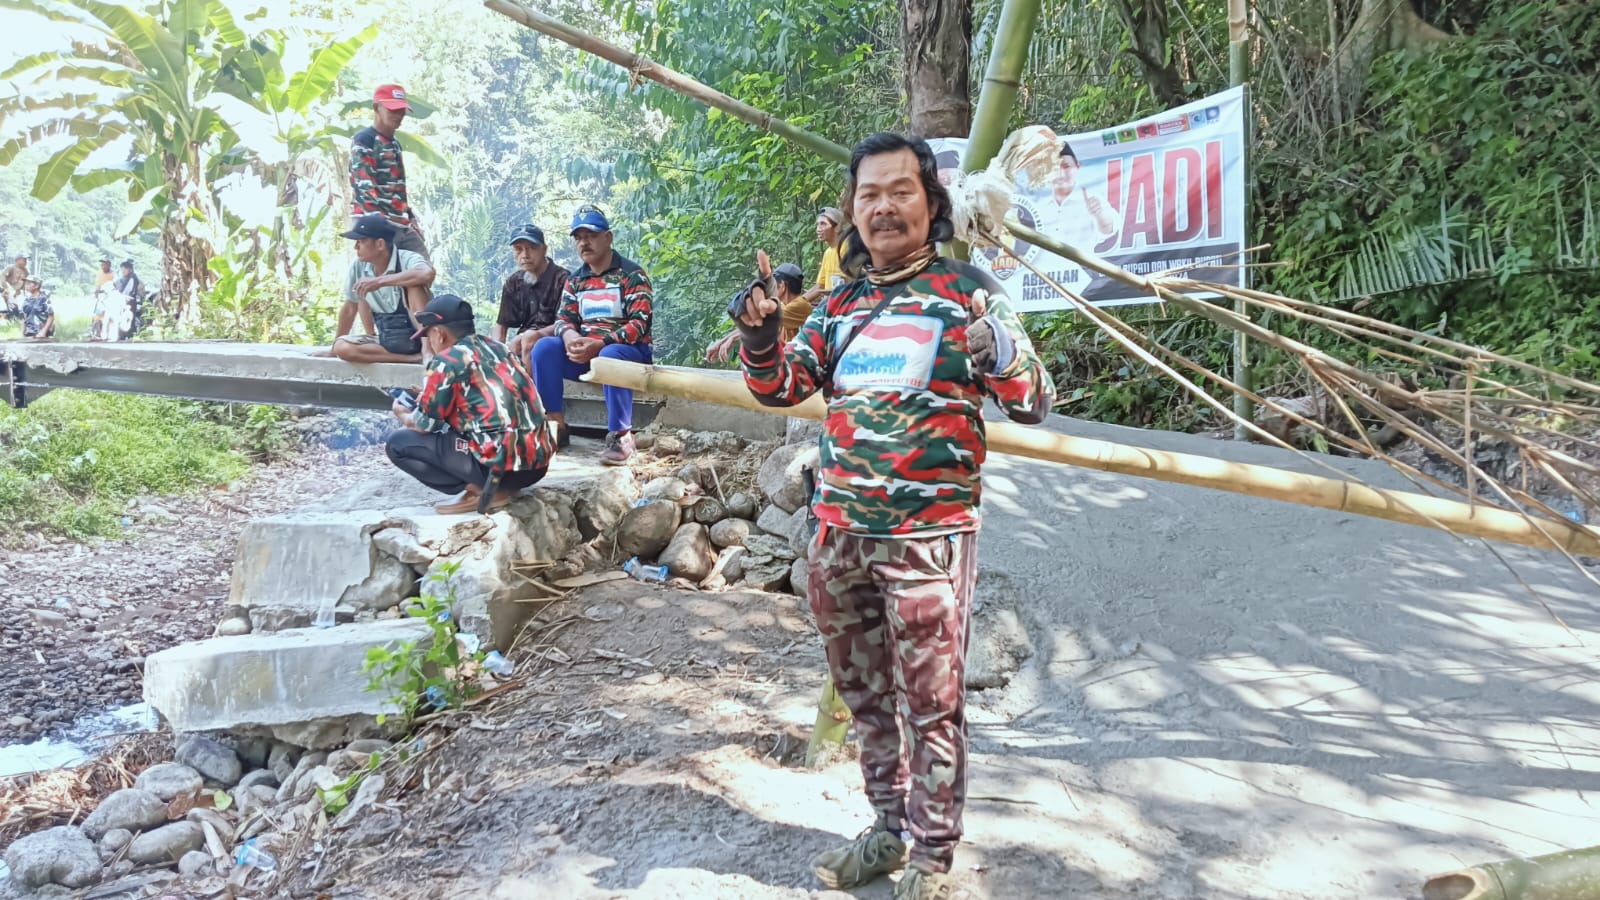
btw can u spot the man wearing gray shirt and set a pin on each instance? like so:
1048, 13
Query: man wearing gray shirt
386, 286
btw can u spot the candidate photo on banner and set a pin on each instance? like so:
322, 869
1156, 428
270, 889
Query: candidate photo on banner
1164, 194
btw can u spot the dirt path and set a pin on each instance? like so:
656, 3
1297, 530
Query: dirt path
83, 616
652, 751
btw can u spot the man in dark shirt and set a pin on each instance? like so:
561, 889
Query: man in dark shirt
531, 296
38, 316
378, 171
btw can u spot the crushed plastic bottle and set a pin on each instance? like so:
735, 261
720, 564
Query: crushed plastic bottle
656, 574
435, 697
498, 665
469, 642
249, 854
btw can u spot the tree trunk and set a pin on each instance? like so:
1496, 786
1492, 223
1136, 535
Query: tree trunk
1146, 21
937, 36
1382, 26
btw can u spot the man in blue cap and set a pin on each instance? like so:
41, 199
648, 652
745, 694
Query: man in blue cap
605, 311
531, 296
385, 286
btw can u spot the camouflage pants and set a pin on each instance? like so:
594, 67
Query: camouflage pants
893, 615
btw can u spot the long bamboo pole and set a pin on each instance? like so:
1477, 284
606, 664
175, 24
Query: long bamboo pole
997, 97
676, 81
1478, 520
1239, 74
1570, 875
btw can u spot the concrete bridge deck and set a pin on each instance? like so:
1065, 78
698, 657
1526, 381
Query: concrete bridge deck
288, 375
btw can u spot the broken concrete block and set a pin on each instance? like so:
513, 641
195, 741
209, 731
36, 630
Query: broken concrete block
277, 678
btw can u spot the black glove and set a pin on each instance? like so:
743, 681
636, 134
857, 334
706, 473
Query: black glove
764, 336
980, 345
989, 345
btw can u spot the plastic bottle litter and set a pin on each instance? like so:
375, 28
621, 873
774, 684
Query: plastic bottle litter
498, 664
435, 696
639, 570
249, 854
469, 642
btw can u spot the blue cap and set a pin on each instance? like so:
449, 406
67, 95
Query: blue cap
590, 218
529, 233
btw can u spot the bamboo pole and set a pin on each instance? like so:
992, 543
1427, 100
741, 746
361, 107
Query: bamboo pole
828, 733
1570, 875
1480, 520
1239, 74
1001, 80
642, 67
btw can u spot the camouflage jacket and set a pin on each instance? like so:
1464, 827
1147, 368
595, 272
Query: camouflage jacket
903, 439
477, 390
614, 306
378, 178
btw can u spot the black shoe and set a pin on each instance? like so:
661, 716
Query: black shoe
563, 436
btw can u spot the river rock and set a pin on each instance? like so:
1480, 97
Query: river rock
366, 795
402, 545
212, 759
689, 473
390, 582
195, 864
724, 442
780, 477
604, 502
665, 488
708, 511
769, 545
263, 777
667, 445
129, 808
776, 521
237, 623
60, 855
168, 780
733, 568
768, 574
115, 840
646, 530
730, 533
166, 845
799, 571
742, 506
689, 555
293, 787
217, 822
281, 761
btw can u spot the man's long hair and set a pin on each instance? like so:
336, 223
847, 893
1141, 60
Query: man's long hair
940, 226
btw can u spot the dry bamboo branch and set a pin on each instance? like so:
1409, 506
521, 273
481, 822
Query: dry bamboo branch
1181, 468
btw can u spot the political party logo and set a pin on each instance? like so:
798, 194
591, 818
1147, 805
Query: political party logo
1005, 265
1108, 139
1213, 113
1147, 130
1173, 126
600, 303
1127, 134
1197, 118
893, 351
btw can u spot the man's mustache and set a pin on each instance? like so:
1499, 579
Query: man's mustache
888, 223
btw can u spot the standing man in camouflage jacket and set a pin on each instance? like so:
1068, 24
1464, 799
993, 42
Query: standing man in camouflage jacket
905, 357
378, 171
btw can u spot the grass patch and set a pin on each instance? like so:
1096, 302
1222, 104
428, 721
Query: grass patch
70, 462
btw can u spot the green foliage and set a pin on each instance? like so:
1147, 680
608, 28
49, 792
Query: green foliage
437, 675
71, 461
1468, 202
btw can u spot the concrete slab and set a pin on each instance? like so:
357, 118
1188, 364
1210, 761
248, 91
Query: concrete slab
278, 678
288, 374
301, 560
1220, 696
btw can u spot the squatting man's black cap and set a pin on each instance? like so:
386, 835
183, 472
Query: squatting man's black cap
445, 309
371, 225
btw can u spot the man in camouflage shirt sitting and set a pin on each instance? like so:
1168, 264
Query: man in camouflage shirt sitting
478, 414
905, 357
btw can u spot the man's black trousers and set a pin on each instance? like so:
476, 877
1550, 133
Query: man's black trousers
442, 461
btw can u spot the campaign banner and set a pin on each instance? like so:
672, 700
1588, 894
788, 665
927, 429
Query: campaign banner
1162, 194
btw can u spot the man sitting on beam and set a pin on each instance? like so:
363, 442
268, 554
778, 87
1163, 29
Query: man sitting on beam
387, 286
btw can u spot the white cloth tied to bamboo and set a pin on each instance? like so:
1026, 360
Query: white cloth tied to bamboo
981, 200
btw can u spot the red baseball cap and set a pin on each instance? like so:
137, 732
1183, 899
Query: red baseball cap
391, 96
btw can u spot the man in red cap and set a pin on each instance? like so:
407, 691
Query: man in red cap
378, 170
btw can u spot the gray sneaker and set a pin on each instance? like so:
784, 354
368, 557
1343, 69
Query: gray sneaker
619, 448
876, 851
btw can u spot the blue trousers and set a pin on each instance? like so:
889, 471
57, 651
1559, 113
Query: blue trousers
550, 365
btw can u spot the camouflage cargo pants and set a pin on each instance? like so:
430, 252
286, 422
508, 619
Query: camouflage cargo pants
893, 615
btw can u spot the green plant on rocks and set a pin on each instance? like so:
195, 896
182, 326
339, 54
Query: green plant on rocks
434, 676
